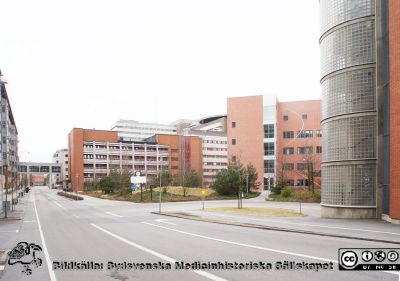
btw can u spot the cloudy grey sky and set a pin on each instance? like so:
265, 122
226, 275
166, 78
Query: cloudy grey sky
88, 63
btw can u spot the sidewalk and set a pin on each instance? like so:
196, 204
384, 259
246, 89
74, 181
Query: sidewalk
16, 211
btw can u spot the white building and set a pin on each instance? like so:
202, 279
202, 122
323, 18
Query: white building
130, 130
99, 158
61, 157
212, 131
269, 120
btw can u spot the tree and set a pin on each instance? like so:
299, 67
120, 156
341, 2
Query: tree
191, 179
165, 178
251, 177
308, 173
229, 181
116, 181
281, 174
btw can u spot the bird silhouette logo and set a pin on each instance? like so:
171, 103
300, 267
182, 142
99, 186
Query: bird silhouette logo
25, 254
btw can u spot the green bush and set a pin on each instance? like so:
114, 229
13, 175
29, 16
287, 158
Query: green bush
277, 189
286, 192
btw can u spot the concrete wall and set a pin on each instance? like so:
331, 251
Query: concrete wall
247, 113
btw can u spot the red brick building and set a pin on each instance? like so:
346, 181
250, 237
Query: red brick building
281, 139
299, 142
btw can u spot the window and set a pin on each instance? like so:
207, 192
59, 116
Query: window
304, 116
269, 131
318, 133
269, 166
319, 149
303, 166
269, 148
285, 117
317, 173
288, 150
305, 150
290, 182
288, 134
234, 158
305, 134
302, 182
288, 166
233, 124
233, 141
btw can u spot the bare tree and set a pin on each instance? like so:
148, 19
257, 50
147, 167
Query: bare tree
307, 170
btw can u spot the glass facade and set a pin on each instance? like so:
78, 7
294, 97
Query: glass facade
348, 46
348, 86
349, 139
334, 12
354, 185
349, 92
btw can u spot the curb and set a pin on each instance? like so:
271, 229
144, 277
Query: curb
272, 228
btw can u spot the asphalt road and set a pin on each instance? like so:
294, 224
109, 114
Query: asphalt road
102, 231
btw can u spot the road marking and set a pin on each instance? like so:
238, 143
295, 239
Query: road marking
310, 224
242, 244
154, 253
164, 221
46, 253
59, 205
9, 231
30, 221
76, 216
115, 215
1, 267
253, 246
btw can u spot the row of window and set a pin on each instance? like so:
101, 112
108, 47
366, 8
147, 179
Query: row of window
216, 149
303, 116
215, 156
215, 141
214, 164
301, 182
299, 166
301, 150
127, 148
302, 134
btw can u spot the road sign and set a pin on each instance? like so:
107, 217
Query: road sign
138, 179
134, 187
203, 192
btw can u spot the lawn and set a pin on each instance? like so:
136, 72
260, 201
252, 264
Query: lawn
297, 195
262, 212
173, 194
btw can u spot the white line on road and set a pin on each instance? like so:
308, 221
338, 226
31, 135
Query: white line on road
164, 221
310, 224
1, 267
115, 215
252, 246
242, 244
154, 253
30, 221
46, 253
59, 205
9, 231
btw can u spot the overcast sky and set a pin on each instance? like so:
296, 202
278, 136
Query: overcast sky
88, 63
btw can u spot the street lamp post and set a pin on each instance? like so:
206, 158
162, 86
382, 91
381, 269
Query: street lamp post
159, 204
